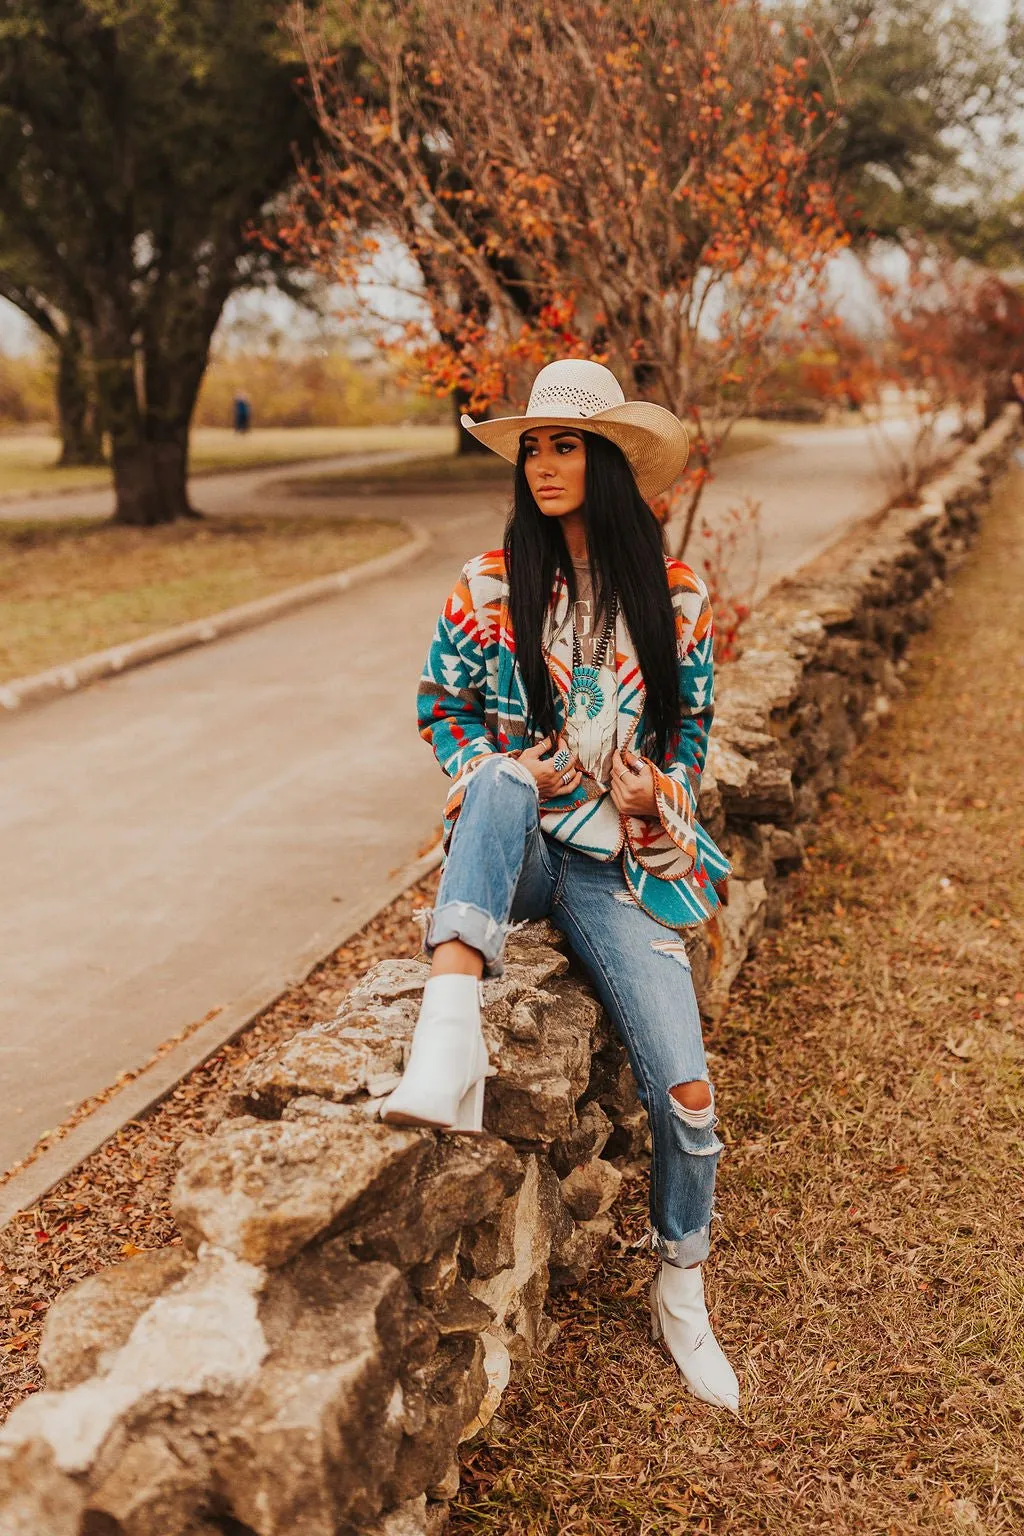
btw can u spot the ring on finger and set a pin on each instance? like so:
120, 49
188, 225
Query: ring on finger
561, 760
566, 778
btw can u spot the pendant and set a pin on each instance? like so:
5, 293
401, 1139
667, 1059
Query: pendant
587, 696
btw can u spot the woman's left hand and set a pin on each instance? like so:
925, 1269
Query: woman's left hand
633, 785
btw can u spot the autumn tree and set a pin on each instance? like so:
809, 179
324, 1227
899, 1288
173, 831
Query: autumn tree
629, 181
141, 140
925, 98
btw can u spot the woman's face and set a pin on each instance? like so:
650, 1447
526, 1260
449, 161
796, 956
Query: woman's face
556, 463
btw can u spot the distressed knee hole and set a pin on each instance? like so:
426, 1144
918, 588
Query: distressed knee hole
694, 1103
512, 768
674, 948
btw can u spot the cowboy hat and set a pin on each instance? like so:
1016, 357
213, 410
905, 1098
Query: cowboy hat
575, 393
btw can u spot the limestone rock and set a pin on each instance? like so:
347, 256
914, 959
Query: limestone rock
461, 1312
498, 1370
738, 926
588, 1140
590, 1189
36, 1497
148, 1490
572, 1255
786, 850
201, 1338
461, 1181
751, 790
434, 1280
446, 1396
515, 1293
92, 1320
408, 1519
310, 1446
334, 1063
538, 1081
264, 1191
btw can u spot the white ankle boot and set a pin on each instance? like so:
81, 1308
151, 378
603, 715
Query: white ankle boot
680, 1317
443, 1085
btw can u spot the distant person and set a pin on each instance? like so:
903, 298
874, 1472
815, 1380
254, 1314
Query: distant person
242, 413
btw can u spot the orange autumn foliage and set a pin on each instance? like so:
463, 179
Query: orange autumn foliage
639, 183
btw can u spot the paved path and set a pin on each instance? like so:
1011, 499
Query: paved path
175, 835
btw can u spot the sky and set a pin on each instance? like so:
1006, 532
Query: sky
18, 336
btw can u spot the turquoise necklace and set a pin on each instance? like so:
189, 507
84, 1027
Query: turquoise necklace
586, 696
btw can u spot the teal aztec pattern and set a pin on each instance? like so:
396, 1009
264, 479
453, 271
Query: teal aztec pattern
471, 703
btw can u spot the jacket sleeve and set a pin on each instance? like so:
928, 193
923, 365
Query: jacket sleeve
668, 847
450, 698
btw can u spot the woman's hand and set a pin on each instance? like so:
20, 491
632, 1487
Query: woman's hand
550, 781
633, 785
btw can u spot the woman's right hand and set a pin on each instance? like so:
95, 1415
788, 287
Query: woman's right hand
549, 782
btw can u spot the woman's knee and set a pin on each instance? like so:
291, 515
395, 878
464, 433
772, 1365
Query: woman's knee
498, 772
693, 1102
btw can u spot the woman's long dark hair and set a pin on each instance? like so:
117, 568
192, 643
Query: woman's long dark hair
627, 558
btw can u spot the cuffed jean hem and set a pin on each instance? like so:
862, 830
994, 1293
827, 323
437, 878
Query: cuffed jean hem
683, 1251
474, 926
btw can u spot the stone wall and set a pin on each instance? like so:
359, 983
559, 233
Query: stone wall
350, 1298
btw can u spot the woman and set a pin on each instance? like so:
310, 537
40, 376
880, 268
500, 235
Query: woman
568, 692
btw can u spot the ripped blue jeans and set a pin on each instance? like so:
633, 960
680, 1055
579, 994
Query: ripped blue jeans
502, 869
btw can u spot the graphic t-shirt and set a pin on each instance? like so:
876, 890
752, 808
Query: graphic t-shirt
591, 723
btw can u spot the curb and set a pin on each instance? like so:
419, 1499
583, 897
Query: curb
156, 1081
69, 677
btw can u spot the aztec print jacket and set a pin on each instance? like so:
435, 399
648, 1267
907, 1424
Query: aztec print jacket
471, 702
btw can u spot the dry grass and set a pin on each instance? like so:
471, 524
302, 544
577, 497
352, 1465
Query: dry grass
868, 1279
28, 460
73, 587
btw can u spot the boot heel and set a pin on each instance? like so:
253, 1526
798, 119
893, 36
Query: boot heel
656, 1329
470, 1115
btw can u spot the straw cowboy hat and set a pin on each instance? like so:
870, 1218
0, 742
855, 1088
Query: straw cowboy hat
587, 396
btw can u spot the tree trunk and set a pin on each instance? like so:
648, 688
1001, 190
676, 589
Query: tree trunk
77, 411
150, 481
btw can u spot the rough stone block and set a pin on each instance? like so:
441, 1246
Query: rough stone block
591, 1189
460, 1182
515, 1293
588, 1140
738, 926
498, 1369
445, 1396
264, 1191
201, 1339
311, 1445
91, 1321
333, 1062
36, 1497
538, 1080
147, 1489
785, 849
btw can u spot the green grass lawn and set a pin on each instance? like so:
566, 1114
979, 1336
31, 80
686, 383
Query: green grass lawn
73, 587
28, 464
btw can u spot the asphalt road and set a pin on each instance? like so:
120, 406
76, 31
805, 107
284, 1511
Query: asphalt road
174, 836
